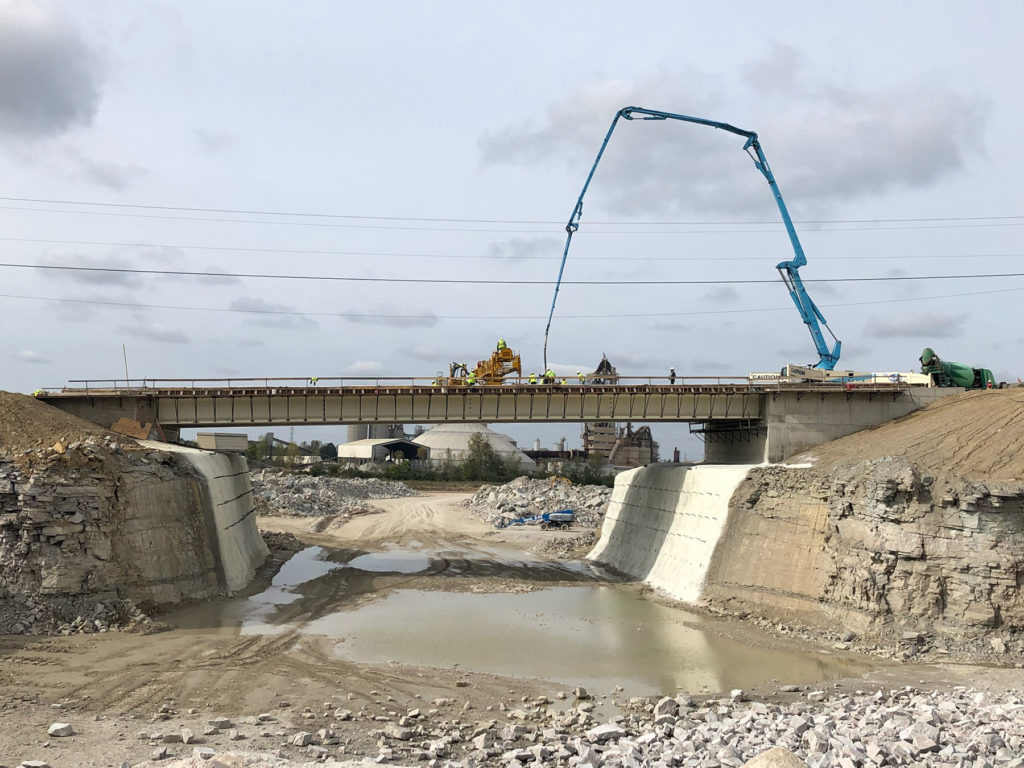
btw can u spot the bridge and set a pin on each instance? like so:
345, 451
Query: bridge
740, 420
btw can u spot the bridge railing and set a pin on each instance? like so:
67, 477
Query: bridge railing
144, 385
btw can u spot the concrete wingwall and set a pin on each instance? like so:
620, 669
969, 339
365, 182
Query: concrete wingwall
99, 520
664, 522
238, 548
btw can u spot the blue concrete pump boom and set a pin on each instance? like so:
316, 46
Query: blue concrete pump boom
789, 270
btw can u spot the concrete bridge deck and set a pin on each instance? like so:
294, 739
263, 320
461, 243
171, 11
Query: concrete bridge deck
739, 420
253, 403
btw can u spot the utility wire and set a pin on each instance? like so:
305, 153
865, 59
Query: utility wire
308, 214
511, 259
474, 281
335, 225
369, 317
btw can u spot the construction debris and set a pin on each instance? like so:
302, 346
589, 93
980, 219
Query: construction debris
282, 493
530, 496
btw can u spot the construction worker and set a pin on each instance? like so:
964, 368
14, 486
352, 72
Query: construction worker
564, 382
549, 376
314, 379
38, 393
533, 378
502, 345
579, 375
471, 379
671, 375
433, 382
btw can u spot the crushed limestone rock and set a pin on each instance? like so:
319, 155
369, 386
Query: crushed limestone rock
898, 727
530, 496
281, 493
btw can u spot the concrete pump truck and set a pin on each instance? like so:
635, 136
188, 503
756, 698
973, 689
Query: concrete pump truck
828, 355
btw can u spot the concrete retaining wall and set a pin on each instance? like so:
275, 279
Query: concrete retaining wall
664, 521
238, 548
156, 525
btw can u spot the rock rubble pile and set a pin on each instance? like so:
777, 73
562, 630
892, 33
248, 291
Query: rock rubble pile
280, 493
822, 729
529, 496
41, 615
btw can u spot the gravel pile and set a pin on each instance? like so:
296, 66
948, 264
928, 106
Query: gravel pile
280, 493
529, 496
904, 727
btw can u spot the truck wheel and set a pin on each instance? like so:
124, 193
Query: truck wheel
564, 526
544, 526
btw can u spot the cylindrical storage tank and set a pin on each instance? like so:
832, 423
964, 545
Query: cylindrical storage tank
357, 432
536, 444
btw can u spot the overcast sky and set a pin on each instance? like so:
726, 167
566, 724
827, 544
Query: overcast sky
451, 140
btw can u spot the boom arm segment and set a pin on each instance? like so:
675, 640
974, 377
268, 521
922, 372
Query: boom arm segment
788, 270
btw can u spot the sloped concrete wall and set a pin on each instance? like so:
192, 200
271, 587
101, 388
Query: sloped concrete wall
237, 545
95, 520
663, 523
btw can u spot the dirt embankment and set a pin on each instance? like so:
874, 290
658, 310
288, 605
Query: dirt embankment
973, 435
910, 534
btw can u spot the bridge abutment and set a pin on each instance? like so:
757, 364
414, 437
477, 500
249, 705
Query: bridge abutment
794, 421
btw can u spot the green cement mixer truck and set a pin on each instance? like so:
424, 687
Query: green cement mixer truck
955, 374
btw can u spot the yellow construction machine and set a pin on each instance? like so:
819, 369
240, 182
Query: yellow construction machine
502, 362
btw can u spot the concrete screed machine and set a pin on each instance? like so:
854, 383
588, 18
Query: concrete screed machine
492, 371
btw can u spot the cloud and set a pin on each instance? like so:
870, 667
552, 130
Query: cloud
366, 366
270, 314
725, 294
104, 173
216, 142
156, 332
704, 366
427, 354
89, 262
822, 289
31, 356
518, 248
826, 143
49, 75
930, 326
395, 317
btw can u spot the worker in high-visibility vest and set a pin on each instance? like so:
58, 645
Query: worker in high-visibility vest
471, 379
533, 378
314, 380
564, 382
501, 345
549, 376
579, 375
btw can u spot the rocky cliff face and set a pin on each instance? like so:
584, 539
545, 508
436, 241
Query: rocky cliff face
876, 546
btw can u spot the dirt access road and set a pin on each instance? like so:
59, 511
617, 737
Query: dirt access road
112, 686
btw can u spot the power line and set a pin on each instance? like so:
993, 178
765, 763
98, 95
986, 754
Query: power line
554, 257
308, 214
476, 281
366, 316
967, 224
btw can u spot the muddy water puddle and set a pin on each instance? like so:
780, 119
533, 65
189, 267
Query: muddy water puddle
578, 624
